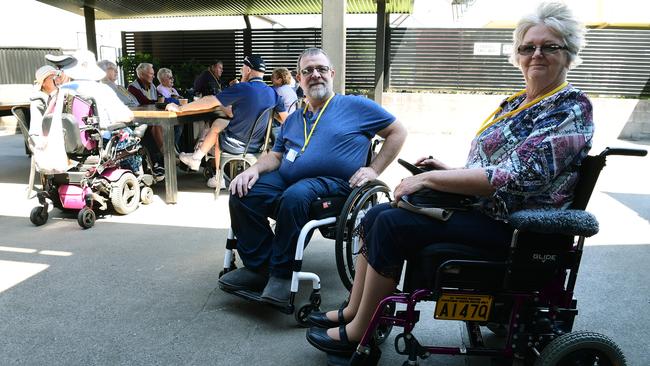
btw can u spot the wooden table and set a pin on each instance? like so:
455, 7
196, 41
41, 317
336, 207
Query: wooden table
150, 115
5, 109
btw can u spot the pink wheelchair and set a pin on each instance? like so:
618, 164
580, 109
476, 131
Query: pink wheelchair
111, 171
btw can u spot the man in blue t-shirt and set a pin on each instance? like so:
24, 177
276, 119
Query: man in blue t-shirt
320, 151
243, 103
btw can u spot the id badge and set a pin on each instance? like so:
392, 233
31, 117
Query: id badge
291, 155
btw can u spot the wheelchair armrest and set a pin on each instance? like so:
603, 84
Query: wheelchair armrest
116, 126
566, 222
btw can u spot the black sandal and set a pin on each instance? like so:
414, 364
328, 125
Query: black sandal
319, 319
318, 338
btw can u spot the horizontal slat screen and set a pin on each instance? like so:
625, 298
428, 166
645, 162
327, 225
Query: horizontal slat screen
18, 65
616, 61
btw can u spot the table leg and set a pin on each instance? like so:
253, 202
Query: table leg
171, 185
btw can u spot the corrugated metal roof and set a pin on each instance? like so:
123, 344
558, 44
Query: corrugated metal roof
125, 9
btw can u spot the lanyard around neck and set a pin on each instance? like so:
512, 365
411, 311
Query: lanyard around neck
487, 123
304, 121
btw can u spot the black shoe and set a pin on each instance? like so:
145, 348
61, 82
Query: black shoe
318, 338
243, 279
158, 172
320, 320
277, 291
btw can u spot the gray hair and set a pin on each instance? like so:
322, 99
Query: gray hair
163, 72
312, 51
106, 64
560, 20
142, 67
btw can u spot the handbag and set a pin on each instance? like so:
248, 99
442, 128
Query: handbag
436, 204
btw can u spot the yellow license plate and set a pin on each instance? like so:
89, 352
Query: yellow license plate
463, 307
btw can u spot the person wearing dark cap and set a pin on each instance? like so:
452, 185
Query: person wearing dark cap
243, 103
209, 82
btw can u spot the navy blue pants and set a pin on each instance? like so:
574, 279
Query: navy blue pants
257, 245
393, 234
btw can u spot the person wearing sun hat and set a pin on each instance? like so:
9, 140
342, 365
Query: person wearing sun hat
85, 75
46, 81
244, 102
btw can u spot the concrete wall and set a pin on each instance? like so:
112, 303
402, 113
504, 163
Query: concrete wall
462, 114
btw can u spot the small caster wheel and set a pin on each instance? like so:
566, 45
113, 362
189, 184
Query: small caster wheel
146, 195
38, 216
86, 218
209, 170
303, 313
383, 330
315, 300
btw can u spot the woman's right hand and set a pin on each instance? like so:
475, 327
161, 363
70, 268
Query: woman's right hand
431, 163
409, 185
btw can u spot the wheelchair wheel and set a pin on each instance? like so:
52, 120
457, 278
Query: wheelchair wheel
38, 215
86, 218
581, 348
125, 194
383, 330
358, 203
146, 195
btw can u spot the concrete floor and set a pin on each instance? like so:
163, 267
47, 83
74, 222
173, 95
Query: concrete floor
141, 289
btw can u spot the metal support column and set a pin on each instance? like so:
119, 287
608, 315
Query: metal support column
333, 39
91, 37
380, 50
248, 38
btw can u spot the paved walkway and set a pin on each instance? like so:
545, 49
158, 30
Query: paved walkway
141, 289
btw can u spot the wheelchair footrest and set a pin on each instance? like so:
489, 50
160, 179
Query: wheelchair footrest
257, 297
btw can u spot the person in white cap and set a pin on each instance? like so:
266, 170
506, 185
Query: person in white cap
85, 75
46, 81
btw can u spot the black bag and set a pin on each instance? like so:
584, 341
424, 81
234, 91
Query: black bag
436, 204
427, 198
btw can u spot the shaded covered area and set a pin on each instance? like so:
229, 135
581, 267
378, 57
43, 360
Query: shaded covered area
333, 11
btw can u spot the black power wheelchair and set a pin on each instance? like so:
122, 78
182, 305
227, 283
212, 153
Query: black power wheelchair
335, 217
524, 294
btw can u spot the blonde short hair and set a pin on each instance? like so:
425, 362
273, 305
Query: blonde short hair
560, 20
283, 74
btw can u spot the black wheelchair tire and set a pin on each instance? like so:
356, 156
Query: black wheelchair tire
86, 218
38, 216
581, 348
347, 221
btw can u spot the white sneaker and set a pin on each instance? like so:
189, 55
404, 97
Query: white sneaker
188, 159
212, 182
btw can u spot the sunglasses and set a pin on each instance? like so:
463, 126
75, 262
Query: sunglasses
310, 70
546, 49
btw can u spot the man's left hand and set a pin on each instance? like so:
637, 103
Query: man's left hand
363, 176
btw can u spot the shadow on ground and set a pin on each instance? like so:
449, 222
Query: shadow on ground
124, 294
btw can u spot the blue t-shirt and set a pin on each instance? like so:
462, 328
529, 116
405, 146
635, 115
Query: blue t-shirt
248, 100
340, 142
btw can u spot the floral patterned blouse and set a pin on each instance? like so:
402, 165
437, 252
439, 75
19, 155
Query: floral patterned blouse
532, 158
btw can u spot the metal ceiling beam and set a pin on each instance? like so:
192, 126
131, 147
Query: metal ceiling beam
125, 9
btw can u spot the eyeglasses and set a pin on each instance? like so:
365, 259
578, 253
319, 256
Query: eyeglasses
310, 70
546, 49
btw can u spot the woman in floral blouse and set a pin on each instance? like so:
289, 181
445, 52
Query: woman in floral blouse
525, 155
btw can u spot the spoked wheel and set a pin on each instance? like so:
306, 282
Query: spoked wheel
86, 218
360, 201
38, 216
581, 348
125, 194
